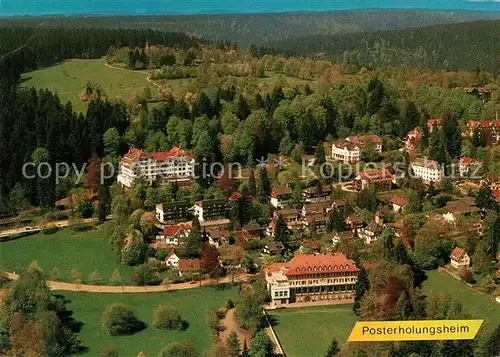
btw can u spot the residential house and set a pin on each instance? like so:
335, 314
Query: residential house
412, 140
434, 123
372, 231
172, 260
312, 278
173, 235
382, 179
336, 204
481, 92
429, 171
217, 236
281, 196
189, 266
211, 210
354, 222
316, 223
312, 245
169, 212
489, 128
273, 248
459, 258
175, 165
315, 208
467, 166
350, 149
310, 194
251, 231
464, 206
398, 203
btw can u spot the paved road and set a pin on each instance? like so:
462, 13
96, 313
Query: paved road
57, 285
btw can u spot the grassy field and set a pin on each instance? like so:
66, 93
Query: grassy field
69, 78
193, 304
476, 304
66, 250
308, 331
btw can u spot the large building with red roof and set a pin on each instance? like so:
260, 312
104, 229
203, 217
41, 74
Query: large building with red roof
175, 165
312, 278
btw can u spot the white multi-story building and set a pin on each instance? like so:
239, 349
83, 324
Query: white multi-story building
428, 170
349, 150
175, 165
312, 277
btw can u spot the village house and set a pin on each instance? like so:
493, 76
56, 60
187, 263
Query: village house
310, 194
281, 197
312, 278
336, 204
173, 235
467, 166
175, 165
217, 236
316, 223
311, 245
273, 248
210, 210
372, 231
354, 222
172, 260
315, 208
398, 203
169, 212
189, 266
464, 206
251, 231
427, 170
459, 258
412, 140
434, 123
489, 128
382, 179
481, 92
349, 150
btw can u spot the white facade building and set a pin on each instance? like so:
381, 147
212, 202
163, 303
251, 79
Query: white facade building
349, 150
428, 170
175, 165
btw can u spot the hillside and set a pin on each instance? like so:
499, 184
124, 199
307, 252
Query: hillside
246, 29
465, 46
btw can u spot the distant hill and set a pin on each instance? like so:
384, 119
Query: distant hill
469, 46
246, 29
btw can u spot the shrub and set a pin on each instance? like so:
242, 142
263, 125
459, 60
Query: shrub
119, 319
229, 304
167, 317
178, 349
466, 275
109, 352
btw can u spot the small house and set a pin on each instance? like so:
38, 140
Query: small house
459, 258
273, 248
172, 260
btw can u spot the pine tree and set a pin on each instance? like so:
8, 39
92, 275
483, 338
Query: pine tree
252, 190
242, 109
195, 240
410, 119
452, 136
281, 232
320, 154
362, 286
404, 307
333, 349
234, 344
264, 186
244, 351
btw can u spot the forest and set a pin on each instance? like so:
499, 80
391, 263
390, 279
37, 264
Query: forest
247, 29
451, 47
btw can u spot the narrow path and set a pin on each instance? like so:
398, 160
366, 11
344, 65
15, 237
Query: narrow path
148, 74
58, 285
230, 324
31, 229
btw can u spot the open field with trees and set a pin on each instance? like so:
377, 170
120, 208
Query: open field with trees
309, 331
476, 304
68, 79
65, 250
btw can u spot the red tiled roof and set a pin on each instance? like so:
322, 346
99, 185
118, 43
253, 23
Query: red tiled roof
173, 152
376, 175
319, 263
173, 230
399, 200
432, 164
457, 253
326, 188
484, 123
189, 264
275, 267
312, 243
280, 190
436, 121
362, 138
235, 196
467, 160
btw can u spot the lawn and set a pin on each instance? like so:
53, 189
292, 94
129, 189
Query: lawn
477, 305
66, 250
193, 304
308, 331
69, 78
